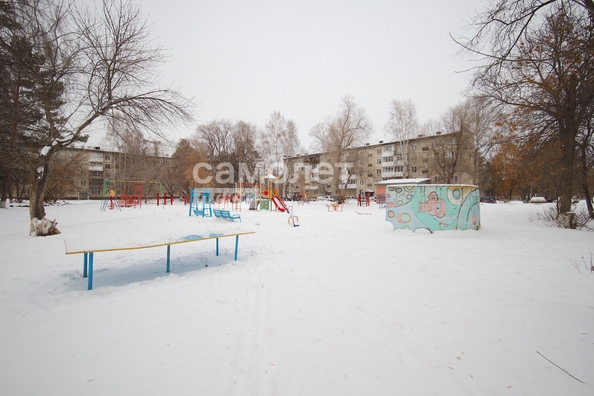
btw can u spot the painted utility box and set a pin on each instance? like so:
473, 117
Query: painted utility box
434, 207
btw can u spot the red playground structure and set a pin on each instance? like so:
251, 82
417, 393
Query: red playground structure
133, 201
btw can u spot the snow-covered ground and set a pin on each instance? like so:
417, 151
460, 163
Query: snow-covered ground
341, 305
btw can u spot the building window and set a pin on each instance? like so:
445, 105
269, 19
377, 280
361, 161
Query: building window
107, 166
378, 161
438, 144
378, 151
425, 148
370, 155
369, 165
414, 146
455, 178
388, 159
378, 171
107, 157
424, 171
413, 169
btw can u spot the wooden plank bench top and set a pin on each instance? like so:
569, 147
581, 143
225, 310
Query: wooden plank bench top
88, 251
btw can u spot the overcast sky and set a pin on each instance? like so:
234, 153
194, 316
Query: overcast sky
242, 60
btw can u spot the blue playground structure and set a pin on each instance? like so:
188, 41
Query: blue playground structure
197, 196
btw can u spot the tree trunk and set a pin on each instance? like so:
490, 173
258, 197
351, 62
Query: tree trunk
584, 177
36, 204
5, 187
568, 129
40, 226
568, 146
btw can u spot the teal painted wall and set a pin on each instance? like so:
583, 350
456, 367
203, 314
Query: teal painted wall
435, 207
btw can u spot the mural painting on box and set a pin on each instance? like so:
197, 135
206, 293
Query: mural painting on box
434, 207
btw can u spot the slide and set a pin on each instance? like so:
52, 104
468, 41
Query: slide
282, 206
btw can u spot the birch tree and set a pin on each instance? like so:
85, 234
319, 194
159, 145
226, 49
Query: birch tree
402, 126
279, 139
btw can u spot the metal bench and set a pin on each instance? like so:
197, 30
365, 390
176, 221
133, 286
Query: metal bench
225, 214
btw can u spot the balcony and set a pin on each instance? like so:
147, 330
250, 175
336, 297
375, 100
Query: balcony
393, 175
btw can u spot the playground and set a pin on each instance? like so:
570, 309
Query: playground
342, 304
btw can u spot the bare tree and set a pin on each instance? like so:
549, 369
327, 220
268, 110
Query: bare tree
402, 126
245, 151
500, 29
279, 139
216, 136
225, 142
538, 64
66, 166
349, 128
449, 149
482, 123
95, 66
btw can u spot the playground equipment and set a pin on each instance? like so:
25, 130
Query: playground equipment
301, 198
359, 199
282, 206
111, 189
334, 207
433, 206
111, 203
165, 197
195, 195
134, 200
267, 192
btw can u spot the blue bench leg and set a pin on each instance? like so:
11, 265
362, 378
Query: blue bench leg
90, 284
236, 245
168, 258
217, 244
85, 261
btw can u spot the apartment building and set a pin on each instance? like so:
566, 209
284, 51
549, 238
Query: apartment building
90, 166
443, 158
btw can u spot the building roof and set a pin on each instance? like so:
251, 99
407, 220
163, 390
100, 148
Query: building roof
403, 181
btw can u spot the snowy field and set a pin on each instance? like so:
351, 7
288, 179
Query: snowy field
341, 305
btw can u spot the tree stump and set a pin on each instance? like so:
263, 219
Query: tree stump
568, 220
43, 227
